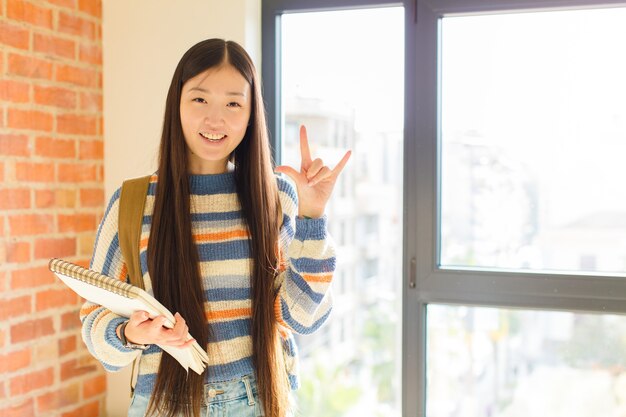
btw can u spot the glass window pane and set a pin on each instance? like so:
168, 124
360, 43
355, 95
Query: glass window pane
524, 363
344, 82
533, 141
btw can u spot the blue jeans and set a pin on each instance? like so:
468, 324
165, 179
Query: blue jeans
236, 398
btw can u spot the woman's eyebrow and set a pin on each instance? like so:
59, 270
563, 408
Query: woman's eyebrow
230, 93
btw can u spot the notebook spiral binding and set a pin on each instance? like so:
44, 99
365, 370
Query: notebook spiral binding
91, 277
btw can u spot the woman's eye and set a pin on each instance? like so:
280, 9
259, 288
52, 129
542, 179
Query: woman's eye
199, 100
234, 104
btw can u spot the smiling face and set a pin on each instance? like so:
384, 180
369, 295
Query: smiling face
214, 112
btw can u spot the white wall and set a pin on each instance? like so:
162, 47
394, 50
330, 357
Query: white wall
142, 43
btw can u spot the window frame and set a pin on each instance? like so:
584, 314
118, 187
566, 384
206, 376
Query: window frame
424, 281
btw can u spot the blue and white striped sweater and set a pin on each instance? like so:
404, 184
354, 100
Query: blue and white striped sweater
307, 257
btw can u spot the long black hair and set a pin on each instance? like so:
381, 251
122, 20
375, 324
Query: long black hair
173, 261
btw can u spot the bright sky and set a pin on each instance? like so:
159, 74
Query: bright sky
549, 88
354, 57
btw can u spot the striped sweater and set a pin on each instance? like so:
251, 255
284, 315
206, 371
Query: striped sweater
307, 262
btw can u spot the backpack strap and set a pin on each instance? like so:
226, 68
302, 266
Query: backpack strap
132, 203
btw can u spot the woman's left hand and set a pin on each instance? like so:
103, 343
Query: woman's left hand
315, 181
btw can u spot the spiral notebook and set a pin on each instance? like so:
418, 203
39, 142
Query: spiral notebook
124, 299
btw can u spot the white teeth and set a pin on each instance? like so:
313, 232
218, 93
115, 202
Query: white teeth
212, 136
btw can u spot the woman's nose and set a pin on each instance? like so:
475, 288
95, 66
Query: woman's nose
213, 115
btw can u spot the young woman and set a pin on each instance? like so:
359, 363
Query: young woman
241, 255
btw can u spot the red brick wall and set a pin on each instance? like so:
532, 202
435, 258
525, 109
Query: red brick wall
51, 200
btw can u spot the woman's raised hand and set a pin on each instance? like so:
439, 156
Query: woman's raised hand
143, 330
315, 181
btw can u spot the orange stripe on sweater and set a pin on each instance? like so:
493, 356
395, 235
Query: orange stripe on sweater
318, 278
217, 236
278, 313
209, 237
88, 310
229, 314
123, 272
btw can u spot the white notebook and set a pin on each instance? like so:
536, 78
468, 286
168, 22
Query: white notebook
124, 299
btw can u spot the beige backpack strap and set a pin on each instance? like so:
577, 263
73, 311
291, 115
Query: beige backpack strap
132, 202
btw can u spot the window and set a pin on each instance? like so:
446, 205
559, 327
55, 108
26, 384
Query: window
513, 224
533, 139
504, 362
327, 83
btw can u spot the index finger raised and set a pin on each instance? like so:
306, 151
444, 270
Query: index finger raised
305, 152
